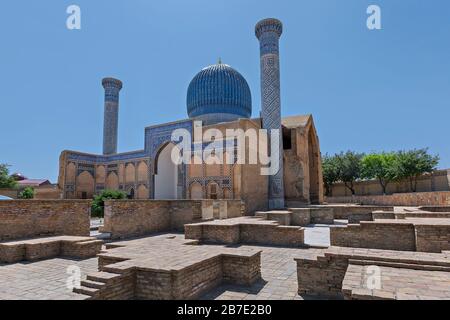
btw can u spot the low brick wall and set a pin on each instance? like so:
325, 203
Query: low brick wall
47, 248
421, 235
322, 216
47, 193
375, 235
344, 212
324, 274
272, 235
247, 232
133, 218
188, 283
436, 208
32, 218
398, 199
299, 216
432, 238
10, 193
179, 284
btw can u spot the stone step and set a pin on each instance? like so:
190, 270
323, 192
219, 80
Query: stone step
92, 284
102, 276
103, 236
90, 242
402, 265
86, 291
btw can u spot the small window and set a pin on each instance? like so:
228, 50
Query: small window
213, 191
287, 139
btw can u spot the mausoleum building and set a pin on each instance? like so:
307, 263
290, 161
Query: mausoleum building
218, 100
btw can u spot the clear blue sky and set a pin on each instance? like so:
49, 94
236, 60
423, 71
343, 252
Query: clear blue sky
368, 90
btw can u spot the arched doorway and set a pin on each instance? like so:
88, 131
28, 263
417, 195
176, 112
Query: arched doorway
166, 174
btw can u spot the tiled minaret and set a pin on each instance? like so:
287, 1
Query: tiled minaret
268, 32
111, 117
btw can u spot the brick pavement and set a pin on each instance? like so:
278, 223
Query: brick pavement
47, 279
41, 280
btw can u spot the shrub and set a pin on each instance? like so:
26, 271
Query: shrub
98, 205
27, 193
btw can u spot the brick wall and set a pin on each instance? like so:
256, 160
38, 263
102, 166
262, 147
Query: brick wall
433, 238
273, 235
438, 181
10, 193
132, 218
385, 236
47, 193
266, 234
33, 218
407, 236
344, 212
398, 199
185, 283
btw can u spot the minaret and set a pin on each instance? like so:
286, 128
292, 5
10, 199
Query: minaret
111, 116
268, 32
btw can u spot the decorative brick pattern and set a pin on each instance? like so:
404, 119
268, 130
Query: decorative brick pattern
268, 32
111, 116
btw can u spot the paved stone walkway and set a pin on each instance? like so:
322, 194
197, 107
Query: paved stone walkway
42, 280
279, 277
46, 280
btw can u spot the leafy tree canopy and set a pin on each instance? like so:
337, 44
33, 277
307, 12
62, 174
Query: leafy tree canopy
380, 166
6, 181
330, 171
349, 165
414, 163
98, 204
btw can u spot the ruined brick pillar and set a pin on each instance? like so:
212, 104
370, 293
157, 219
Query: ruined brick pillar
268, 32
111, 116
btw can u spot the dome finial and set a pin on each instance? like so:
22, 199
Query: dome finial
220, 61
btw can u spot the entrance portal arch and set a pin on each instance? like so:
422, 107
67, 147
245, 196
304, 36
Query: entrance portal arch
166, 174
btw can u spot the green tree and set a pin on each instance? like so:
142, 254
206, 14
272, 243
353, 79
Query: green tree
330, 171
6, 181
98, 205
27, 193
412, 164
349, 166
380, 166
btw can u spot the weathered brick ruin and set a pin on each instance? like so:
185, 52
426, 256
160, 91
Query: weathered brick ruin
324, 274
161, 268
47, 248
411, 234
246, 230
36, 218
217, 245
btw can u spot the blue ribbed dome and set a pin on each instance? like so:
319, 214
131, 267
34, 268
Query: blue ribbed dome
219, 94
